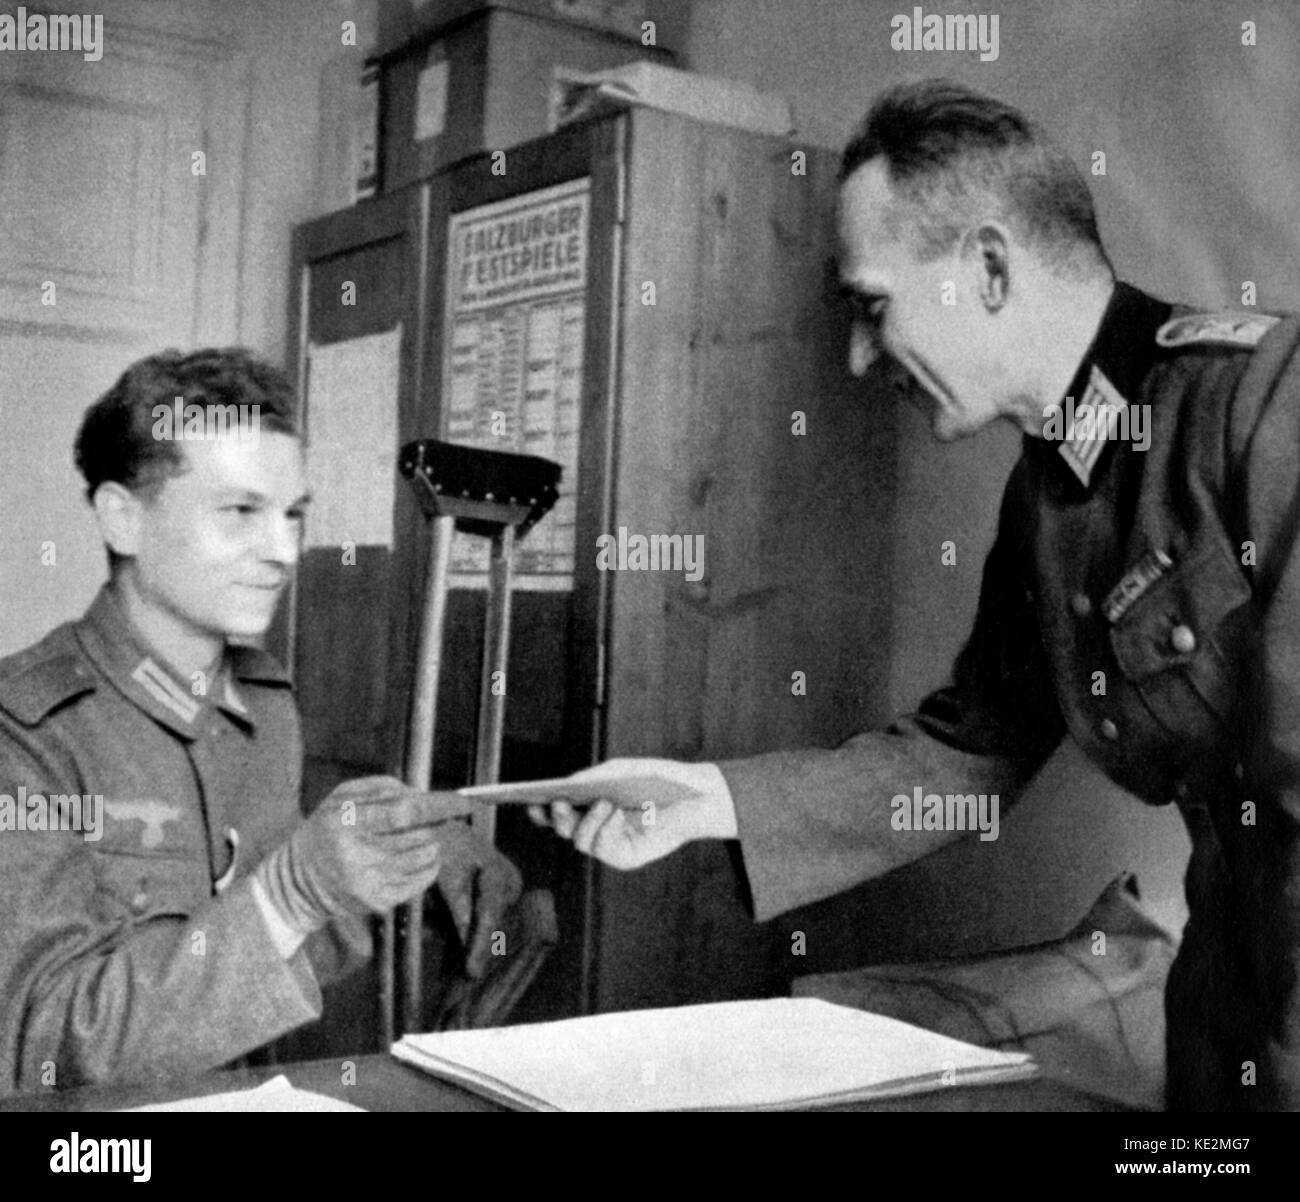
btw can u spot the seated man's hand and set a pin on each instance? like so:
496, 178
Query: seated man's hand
646, 828
479, 885
370, 845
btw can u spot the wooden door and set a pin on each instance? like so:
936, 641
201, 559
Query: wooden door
112, 245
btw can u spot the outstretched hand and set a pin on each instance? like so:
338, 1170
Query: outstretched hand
650, 826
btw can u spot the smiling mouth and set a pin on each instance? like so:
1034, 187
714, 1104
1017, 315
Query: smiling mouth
893, 375
924, 379
904, 386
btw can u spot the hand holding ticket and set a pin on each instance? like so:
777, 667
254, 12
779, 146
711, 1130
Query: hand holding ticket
629, 792
638, 810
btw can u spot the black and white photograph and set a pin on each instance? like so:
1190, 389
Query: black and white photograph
642, 556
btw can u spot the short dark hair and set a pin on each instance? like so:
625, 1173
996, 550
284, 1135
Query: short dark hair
116, 440
950, 151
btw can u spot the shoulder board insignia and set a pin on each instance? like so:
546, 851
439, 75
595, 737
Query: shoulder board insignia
1232, 329
31, 687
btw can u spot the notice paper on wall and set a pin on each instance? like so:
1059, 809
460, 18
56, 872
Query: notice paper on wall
512, 359
352, 439
773, 1054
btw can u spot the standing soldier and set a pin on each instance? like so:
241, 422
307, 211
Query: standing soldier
1143, 593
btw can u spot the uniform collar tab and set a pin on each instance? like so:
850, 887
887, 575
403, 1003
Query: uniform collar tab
164, 689
1117, 361
116, 648
1086, 428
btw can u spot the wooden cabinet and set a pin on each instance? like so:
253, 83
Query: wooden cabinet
743, 347
715, 406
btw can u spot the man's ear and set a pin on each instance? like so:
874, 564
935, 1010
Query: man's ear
987, 247
118, 512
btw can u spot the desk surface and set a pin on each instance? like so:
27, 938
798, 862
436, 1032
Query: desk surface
384, 1084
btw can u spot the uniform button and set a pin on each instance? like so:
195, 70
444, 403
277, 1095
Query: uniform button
140, 902
1081, 605
1109, 730
1183, 640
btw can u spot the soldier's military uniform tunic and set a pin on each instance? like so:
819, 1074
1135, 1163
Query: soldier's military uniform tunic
1147, 602
142, 953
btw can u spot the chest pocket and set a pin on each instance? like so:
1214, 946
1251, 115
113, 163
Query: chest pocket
1184, 645
132, 885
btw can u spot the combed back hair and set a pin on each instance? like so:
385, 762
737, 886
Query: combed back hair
116, 441
954, 157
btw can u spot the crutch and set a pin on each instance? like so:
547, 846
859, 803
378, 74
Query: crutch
501, 497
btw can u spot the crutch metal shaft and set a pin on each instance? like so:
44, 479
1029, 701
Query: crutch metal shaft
419, 746
496, 653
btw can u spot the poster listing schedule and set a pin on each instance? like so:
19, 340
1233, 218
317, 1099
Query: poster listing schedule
516, 312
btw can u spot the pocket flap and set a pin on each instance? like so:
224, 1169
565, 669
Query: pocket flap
1179, 615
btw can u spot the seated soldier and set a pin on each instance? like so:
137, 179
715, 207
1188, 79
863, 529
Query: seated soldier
167, 907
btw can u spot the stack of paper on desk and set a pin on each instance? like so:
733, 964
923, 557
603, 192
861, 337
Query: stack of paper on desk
774, 1054
276, 1096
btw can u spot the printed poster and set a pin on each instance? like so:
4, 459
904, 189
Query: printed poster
512, 367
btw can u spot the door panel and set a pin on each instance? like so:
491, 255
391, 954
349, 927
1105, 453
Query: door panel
110, 248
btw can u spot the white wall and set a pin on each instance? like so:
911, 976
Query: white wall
95, 193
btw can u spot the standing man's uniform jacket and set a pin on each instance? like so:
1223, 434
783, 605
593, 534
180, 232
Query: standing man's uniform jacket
1147, 602
141, 953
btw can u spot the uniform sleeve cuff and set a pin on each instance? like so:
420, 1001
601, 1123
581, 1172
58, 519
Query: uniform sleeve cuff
286, 937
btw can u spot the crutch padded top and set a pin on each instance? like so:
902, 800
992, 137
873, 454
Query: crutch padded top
483, 490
